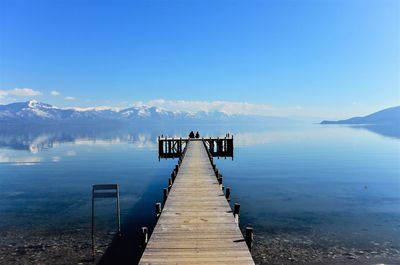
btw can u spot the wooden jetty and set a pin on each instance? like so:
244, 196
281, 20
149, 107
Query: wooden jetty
197, 225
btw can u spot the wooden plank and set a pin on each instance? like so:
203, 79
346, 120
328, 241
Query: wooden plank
196, 225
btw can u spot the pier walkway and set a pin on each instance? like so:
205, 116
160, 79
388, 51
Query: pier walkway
196, 225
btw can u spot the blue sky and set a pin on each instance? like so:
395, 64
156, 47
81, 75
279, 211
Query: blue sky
318, 58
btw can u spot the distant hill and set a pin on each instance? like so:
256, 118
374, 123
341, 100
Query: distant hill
37, 113
389, 116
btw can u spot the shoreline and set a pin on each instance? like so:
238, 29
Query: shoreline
73, 246
282, 251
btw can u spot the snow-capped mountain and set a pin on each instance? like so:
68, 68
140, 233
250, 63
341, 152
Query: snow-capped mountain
29, 110
36, 112
33, 112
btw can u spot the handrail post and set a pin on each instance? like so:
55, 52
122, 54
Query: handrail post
145, 236
236, 212
158, 209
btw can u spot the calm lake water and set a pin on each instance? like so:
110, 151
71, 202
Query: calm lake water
332, 189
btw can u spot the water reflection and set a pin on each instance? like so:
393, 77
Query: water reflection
37, 139
392, 131
20, 160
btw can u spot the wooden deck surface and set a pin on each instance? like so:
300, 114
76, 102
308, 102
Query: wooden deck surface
196, 225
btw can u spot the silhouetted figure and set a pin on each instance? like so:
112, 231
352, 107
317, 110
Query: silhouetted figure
197, 134
191, 134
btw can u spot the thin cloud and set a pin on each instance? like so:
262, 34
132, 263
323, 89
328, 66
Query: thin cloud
69, 98
20, 92
228, 107
55, 93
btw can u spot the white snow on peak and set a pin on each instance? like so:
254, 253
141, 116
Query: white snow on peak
41, 113
98, 108
143, 112
128, 112
32, 103
36, 104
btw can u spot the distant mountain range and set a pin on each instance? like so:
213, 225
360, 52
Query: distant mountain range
34, 112
389, 116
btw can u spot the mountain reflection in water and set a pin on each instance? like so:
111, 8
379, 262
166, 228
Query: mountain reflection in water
37, 138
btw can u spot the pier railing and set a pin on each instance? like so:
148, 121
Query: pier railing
170, 147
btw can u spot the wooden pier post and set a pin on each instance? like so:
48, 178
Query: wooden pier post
118, 212
236, 212
220, 181
165, 195
249, 237
171, 146
165, 146
158, 209
228, 194
218, 147
160, 148
169, 184
224, 145
173, 176
145, 236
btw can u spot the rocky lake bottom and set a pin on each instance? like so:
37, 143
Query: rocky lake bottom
73, 246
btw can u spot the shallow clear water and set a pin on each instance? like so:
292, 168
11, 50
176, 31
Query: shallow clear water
329, 185
337, 184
